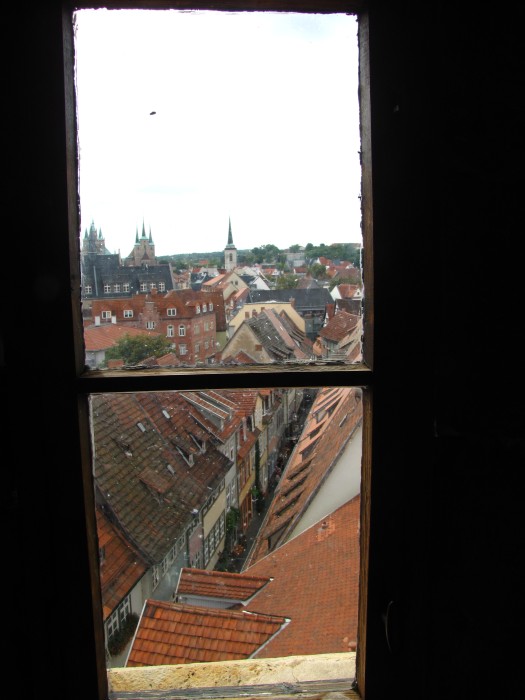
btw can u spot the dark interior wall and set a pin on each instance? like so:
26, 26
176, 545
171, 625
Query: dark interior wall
449, 437
447, 140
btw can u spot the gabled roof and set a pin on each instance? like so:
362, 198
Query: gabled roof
219, 585
121, 565
334, 415
149, 472
273, 333
305, 601
171, 633
339, 326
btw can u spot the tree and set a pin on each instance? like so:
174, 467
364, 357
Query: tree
134, 349
318, 271
287, 282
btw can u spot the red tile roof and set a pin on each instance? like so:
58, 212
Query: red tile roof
321, 442
316, 584
309, 604
171, 633
121, 566
339, 326
219, 584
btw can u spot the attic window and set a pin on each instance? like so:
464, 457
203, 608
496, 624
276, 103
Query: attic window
165, 414
187, 456
141, 427
201, 444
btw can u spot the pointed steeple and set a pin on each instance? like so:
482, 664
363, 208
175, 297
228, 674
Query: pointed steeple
230, 237
230, 251
143, 229
137, 234
150, 238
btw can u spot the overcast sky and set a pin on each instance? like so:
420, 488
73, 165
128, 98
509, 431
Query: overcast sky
188, 119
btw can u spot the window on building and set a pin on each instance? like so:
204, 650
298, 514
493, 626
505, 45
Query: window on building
116, 288
88, 289
143, 287
125, 287
128, 313
106, 315
162, 287
182, 330
182, 349
170, 331
150, 325
172, 311
107, 289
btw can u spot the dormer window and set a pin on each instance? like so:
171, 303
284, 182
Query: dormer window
186, 456
172, 312
201, 444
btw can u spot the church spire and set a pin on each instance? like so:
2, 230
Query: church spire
230, 252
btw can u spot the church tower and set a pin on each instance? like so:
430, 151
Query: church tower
94, 242
230, 252
143, 253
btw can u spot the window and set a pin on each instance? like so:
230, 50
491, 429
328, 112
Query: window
116, 288
88, 289
172, 311
198, 309
125, 287
150, 325
355, 377
204, 308
106, 315
171, 331
143, 287
107, 289
162, 287
128, 313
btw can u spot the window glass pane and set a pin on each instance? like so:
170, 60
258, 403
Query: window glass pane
233, 509
219, 179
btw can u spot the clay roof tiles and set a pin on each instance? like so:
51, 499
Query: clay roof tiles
173, 633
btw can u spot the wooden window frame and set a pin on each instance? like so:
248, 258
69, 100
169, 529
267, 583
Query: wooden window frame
321, 374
